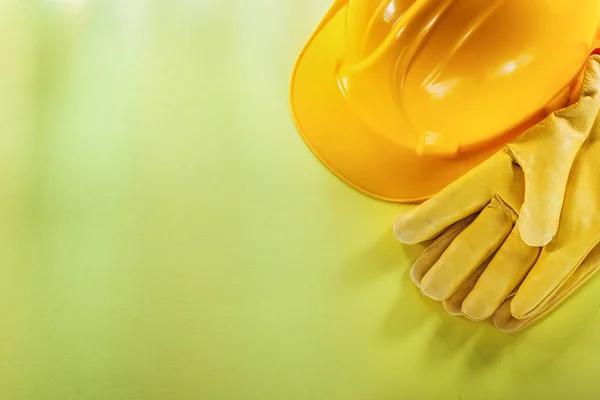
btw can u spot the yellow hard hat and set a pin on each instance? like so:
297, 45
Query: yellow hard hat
401, 97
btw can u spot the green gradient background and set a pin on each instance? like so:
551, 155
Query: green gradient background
166, 234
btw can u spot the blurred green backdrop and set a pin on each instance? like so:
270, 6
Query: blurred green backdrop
166, 234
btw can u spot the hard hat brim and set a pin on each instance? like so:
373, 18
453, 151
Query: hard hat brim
357, 155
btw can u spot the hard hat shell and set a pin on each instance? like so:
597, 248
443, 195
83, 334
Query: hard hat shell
401, 97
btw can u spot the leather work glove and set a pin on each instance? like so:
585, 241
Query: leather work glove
505, 322
489, 224
560, 268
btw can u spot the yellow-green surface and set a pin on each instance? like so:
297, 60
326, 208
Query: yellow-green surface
166, 234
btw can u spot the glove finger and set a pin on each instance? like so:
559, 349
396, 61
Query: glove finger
504, 274
431, 254
464, 197
453, 304
468, 251
504, 320
546, 177
548, 275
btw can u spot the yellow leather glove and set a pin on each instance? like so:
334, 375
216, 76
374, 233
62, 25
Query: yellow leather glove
573, 255
505, 322
506, 205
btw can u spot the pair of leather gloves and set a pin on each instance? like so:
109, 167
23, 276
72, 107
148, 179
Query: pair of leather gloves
516, 236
